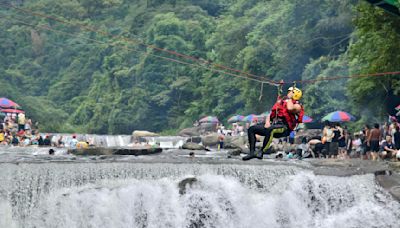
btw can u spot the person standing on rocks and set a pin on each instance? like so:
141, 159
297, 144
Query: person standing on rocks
286, 113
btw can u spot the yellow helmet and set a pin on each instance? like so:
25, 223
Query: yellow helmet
296, 93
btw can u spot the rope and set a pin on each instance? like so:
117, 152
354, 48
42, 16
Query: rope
207, 62
260, 78
345, 77
261, 91
130, 49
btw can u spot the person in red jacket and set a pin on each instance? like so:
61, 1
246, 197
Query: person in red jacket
286, 113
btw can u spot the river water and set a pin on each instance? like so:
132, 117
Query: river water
37, 190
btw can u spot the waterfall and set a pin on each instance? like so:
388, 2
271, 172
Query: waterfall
135, 194
97, 140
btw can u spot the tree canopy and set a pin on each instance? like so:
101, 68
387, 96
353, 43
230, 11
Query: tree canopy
102, 66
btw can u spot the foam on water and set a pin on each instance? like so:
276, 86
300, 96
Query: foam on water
118, 194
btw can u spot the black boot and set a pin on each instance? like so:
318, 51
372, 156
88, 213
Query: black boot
251, 155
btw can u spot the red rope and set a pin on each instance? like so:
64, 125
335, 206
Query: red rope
344, 77
88, 28
130, 49
250, 76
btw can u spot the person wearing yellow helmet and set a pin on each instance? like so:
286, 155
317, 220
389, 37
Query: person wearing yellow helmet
296, 93
286, 113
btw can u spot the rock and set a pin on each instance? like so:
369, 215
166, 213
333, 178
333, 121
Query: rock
189, 132
234, 152
192, 146
230, 146
199, 130
238, 140
244, 149
137, 134
187, 182
309, 133
210, 140
194, 139
96, 151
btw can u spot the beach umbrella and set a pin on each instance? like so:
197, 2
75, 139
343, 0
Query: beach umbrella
338, 116
7, 103
235, 118
209, 119
251, 118
307, 119
10, 110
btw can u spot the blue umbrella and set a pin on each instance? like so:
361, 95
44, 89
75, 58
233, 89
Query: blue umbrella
338, 116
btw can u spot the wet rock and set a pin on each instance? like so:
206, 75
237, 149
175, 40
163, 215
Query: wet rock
138, 134
194, 139
210, 140
193, 146
185, 183
234, 152
199, 130
189, 132
96, 151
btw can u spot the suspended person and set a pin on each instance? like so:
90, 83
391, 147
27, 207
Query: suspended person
286, 113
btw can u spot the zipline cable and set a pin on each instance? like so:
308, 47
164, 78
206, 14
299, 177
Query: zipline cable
130, 49
254, 77
136, 42
311, 81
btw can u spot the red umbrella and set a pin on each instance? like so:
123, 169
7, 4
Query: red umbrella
7, 103
9, 110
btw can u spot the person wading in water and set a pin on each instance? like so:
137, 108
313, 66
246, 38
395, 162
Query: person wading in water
286, 113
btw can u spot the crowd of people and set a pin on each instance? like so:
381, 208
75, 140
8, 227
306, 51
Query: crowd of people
379, 143
18, 130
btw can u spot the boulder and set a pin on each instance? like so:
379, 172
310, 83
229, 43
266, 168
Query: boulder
210, 140
194, 139
234, 152
309, 133
199, 130
138, 134
189, 132
187, 182
192, 146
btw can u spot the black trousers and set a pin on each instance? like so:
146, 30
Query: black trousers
274, 131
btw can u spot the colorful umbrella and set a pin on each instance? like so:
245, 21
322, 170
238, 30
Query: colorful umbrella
209, 119
235, 118
251, 118
9, 110
338, 116
7, 103
307, 119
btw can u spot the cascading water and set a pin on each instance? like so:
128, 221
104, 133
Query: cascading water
147, 194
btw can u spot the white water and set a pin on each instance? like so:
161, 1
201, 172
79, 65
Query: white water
118, 194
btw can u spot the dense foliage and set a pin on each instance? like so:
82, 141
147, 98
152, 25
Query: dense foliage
73, 79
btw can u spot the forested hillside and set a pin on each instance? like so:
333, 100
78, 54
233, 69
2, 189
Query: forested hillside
96, 66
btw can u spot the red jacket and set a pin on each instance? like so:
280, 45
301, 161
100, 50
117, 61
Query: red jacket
280, 110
